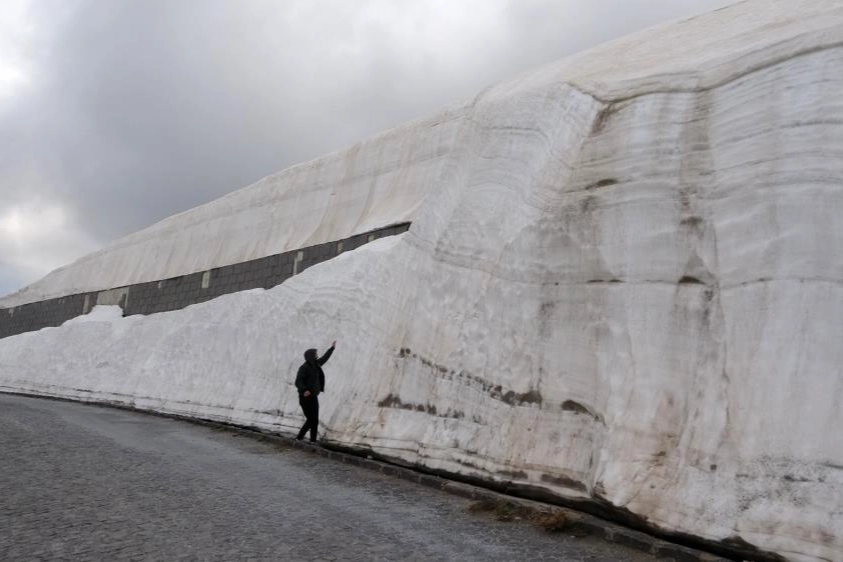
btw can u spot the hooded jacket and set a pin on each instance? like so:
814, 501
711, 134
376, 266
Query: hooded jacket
310, 376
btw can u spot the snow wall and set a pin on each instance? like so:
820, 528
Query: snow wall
623, 286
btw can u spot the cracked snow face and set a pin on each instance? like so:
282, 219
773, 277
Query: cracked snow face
620, 286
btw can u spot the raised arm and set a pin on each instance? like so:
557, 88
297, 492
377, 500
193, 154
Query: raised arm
324, 359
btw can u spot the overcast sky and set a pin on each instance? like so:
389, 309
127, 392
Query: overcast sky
117, 113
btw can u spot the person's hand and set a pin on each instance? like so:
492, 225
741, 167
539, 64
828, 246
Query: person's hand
307, 394
334, 344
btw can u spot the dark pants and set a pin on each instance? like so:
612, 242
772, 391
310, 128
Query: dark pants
310, 408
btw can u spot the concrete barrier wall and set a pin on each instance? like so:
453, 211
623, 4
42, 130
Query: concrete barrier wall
182, 291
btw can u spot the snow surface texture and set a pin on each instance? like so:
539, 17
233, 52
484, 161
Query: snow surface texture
622, 282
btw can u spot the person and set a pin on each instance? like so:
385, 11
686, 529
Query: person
310, 382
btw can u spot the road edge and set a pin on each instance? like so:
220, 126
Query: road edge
581, 521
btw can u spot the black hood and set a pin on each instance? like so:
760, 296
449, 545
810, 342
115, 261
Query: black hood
310, 356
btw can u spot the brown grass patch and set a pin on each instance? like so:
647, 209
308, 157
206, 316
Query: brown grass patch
554, 521
501, 510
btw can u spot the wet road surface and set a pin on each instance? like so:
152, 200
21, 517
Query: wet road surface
82, 482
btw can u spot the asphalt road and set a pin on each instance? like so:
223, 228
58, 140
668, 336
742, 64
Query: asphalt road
81, 482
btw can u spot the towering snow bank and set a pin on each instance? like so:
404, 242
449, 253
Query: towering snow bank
631, 299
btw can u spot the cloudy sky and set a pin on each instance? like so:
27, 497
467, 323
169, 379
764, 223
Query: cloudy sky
117, 113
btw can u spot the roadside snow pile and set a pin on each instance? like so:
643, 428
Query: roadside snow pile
622, 285
100, 313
